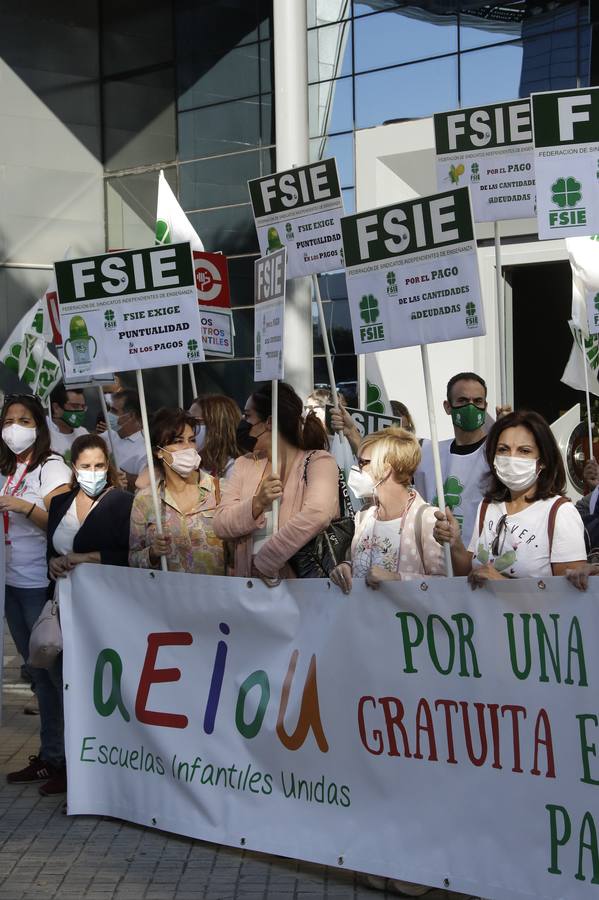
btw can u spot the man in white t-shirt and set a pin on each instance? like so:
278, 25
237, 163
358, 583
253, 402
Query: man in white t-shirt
124, 417
463, 463
68, 415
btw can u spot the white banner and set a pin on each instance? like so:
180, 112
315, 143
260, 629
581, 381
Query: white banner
426, 732
270, 286
136, 309
217, 332
301, 209
489, 149
412, 273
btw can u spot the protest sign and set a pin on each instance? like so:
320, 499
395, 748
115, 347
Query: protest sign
390, 737
25, 352
366, 422
212, 279
217, 332
489, 149
129, 310
300, 209
78, 382
412, 273
566, 136
269, 315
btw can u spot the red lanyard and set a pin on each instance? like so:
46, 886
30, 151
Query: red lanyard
6, 493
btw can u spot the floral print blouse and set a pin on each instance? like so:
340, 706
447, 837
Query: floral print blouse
194, 547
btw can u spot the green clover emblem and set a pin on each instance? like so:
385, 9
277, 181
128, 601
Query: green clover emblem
470, 309
369, 309
192, 346
592, 352
109, 316
11, 361
596, 301
163, 232
391, 278
453, 490
566, 192
374, 401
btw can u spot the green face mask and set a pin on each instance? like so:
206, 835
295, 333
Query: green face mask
74, 417
468, 417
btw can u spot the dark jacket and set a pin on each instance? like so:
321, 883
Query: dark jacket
105, 529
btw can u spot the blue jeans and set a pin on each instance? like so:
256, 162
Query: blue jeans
22, 607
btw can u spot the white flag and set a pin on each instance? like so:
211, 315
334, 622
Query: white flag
584, 350
25, 353
584, 260
172, 225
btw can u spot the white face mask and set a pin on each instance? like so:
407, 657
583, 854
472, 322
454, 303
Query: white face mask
18, 438
360, 483
93, 483
516, 473
184, 461
201, 437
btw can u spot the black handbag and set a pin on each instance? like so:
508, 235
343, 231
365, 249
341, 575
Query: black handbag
319, 556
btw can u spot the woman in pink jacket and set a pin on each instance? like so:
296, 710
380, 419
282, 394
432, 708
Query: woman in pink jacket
308, 493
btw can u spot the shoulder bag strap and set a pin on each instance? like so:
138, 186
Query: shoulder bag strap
346, 508
306, 461
216, 488
418, 530
481, 516
551, 520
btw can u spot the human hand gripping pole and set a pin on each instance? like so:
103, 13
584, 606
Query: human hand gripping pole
150, 460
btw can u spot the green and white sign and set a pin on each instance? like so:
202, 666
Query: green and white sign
135, 309
300, 209
269, 315
367, 422
489, 149
566, 136
412, 273
217, 332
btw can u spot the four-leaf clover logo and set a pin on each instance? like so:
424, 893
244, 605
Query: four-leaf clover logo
596, 302
374, 402
163, 232
470, 309
192, 346
566, 192
453, 490
369, 309
391, 278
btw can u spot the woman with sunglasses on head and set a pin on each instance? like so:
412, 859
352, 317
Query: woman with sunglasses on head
393, 538
33, 476
525, 526
188, 498
306, 484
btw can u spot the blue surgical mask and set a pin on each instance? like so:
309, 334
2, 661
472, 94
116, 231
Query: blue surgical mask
112, 421
93, 483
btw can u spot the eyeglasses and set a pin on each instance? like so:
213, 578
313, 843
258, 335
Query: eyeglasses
362, 462
501, 529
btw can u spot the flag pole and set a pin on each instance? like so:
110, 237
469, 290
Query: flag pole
435, 446
500, 315
274, 452
150, 459
180, 386
192, 376
325, 340
108, 428
588, 400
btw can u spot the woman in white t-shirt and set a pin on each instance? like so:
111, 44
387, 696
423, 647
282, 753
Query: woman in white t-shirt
525, 527
33, 475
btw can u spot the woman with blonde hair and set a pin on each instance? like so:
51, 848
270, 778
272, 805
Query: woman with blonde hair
393, 539
216, 438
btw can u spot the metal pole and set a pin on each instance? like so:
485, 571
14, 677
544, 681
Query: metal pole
588, 398
150, 459
108, 428
192, 376
274, 452
435, 445
325, 340
180, 386
500, 316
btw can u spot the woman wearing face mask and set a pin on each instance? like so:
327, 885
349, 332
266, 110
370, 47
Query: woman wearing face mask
217, 417
90, 524
188, 499
33, 476
525, 527
393, 540
306, 484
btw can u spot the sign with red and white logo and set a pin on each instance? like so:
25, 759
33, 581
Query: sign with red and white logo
212, 279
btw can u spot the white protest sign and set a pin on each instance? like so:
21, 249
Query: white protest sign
584, 259
135, 309
217, 331
412, 273
269, 315
566, 136
490, 149
437, 736
300, 209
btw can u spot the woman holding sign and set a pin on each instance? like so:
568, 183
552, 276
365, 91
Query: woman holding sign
393, 540
306, 485
525, 526
188, 500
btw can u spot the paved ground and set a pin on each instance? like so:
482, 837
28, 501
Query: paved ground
45, 855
